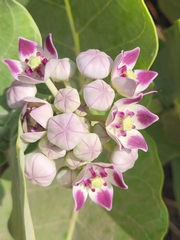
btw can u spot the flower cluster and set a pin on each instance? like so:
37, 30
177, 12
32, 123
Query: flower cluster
76, 125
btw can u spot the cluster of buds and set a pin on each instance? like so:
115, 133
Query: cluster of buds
77, 125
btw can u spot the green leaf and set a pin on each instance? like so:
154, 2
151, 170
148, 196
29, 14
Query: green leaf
176, 179
109, 25
170, 8
5, 206
138, 213
15, 23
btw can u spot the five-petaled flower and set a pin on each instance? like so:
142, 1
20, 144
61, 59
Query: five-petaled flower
30, 69
96, 180
124, 79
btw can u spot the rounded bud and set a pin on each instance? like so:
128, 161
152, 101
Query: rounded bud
59, 69
99, 129
17, 92
98, 95
72, 161
50, 150
67, 100
123, 159
39, 169
94, 64
66, 177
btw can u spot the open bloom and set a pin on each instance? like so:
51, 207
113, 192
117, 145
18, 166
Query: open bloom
35, 116
125, 119
94, 64
125, 80
30, 68
96, 181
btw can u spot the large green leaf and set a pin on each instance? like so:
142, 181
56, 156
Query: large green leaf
138, 213
15, 22
176, 179
109, 25
170, 8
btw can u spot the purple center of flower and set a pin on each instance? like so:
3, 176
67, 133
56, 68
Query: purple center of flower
122, 123
129, 73
35, 65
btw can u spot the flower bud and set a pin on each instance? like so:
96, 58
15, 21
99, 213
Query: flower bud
50, 150
17, 92
89, 147
94, 64
99, 129
39, 169
98, 95
73, 162
66, 177
67, 100
35, 116
124, 159
60, 69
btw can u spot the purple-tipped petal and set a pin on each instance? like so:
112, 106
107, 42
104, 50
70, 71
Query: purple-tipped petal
103, 196
134, 139
115, 177
124, 86
30, 80
144, 78
80, 194
143, 117
130, 58
16, 67
28, 48
49, 48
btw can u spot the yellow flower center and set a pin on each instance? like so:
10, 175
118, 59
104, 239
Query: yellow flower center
34, 62
130, 74
127, 123
97, 182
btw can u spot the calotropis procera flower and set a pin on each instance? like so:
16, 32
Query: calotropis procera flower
125, 119
30, 68
67, 100
50, 150
66, 177
35, 115
72, 161
17, 92
89, 148
124, 79
98, 95
95, 180
94, 64
39, 169
65, 130
123, 159
59, 69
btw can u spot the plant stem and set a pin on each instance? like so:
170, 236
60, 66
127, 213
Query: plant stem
72, 225
51, 87
91, 117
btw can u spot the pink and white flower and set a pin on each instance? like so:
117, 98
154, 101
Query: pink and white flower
66, 177
35, 116
96, 181
33, 59
125, 119
94, 64
124, 79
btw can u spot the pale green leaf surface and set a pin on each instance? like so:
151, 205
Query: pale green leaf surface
138, 213
170, 8
15, 23
109, 25
5, 206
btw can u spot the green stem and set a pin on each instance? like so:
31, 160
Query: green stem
51, 87
72, 225
100, 118
108, 146
67, 83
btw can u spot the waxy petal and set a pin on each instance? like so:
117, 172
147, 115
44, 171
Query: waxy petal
98, 95
115, 177
144, 78
65, 130
16, 67
124, 86
30, 80
103, 196
80, 194
134, 139
143, 118
32, 136
49, 48
28, 48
